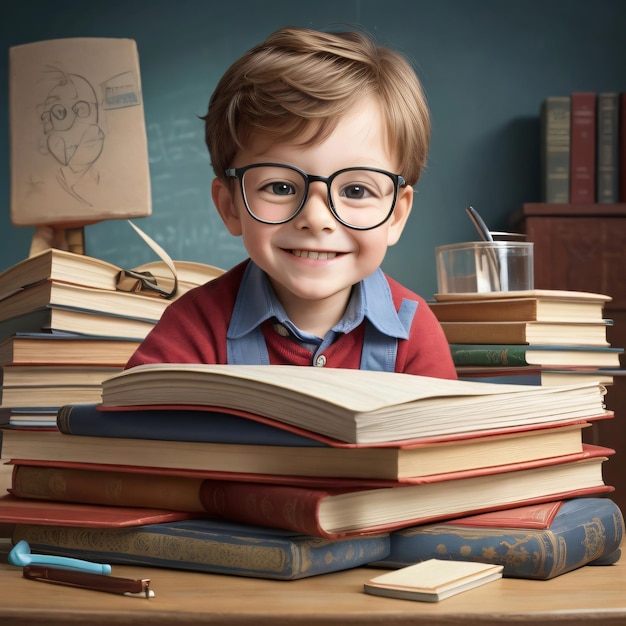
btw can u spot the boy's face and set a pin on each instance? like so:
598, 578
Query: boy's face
313, 259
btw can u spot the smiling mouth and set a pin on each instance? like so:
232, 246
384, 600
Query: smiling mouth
312, 254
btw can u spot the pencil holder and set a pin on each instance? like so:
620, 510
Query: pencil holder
485, 266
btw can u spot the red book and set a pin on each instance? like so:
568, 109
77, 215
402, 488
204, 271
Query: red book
20, 511
331, 508
335, 513
622, 147
583, 148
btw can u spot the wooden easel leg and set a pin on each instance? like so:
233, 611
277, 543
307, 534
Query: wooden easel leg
71, 239
75, 238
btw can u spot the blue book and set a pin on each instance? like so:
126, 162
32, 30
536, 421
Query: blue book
539, 541
175, 425
204, 545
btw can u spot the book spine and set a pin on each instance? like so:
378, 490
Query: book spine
272, 506
240, 553
622, 147
174, 425
585, 530
607, 185
583, 148
465, 354
555, 149
531, 378
176, 493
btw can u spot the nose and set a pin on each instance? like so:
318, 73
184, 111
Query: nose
316, 215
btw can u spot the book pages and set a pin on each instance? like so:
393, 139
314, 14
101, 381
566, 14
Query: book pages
78, 143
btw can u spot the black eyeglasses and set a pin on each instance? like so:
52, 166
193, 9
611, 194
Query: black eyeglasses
361, 198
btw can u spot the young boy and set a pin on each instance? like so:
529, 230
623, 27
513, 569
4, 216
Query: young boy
316, 140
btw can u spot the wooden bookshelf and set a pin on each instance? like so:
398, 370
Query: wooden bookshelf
582, 247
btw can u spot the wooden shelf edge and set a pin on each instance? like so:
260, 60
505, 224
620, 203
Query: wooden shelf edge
544, 208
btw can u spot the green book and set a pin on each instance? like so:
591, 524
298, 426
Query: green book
555, 149
511, 355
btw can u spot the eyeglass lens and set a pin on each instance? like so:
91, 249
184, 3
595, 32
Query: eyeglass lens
359, 197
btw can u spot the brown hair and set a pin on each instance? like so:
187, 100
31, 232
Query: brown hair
299, 80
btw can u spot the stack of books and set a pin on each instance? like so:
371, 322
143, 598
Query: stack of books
66, 325
537, 337
258, 461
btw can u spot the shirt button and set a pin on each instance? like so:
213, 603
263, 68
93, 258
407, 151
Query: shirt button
320, 361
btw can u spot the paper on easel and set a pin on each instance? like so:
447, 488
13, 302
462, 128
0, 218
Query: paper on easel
77, 133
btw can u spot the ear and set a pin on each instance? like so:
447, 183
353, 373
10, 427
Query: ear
225, 205
400, 215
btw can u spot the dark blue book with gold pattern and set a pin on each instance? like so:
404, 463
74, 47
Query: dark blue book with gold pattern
539, 541
205, 545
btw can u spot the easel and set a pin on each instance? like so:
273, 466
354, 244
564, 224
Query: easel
70, 239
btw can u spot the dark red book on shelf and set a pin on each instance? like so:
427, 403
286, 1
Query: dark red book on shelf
583, 148
622, 147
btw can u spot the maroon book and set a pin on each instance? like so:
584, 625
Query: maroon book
583, 148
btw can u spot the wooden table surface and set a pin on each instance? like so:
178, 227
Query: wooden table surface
588, 595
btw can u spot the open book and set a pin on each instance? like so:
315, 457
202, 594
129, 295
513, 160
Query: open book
356, 406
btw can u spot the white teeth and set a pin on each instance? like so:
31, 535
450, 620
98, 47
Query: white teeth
310, 254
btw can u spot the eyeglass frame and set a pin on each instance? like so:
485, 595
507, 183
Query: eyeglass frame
238, 172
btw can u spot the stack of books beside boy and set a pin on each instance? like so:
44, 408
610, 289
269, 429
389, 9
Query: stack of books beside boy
537, 337
66, 324
286, 472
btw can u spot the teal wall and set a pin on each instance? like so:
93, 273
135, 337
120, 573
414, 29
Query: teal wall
486, 65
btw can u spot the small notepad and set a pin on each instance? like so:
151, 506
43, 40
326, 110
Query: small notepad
432, 580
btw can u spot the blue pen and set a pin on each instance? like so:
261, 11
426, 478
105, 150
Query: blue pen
21, 556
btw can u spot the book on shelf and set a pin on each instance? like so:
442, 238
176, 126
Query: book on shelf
539, 354
555, 149
54, 319
355, 406
557, 333
210, 546
40, 348
433, 580
336, 508
533, 375
538, 306
132, 467
538, 541
583, 148
622, 147
607, 148
20, 375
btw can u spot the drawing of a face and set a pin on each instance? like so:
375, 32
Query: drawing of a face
70, 123
69, 110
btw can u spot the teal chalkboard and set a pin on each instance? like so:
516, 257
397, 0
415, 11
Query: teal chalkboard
486, 67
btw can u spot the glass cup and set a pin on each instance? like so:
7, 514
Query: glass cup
485, 266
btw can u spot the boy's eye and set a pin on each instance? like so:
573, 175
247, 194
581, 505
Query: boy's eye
280, 189
356, 191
